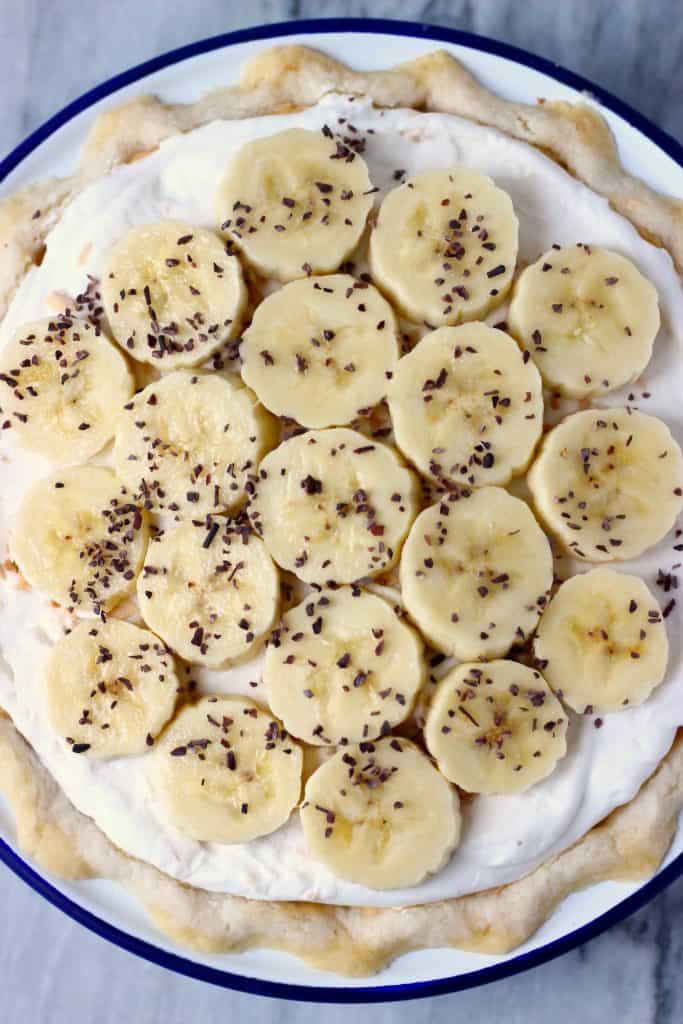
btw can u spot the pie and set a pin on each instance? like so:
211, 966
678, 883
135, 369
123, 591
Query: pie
331, 406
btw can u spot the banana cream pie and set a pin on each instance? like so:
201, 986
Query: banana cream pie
320, 399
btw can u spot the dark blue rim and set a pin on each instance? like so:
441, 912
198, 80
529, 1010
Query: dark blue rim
322, 26
179, 964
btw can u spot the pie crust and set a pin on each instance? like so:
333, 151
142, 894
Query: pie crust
630, 843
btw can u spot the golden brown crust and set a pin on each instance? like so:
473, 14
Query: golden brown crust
632, 841
629, 845
25, 219
280, 79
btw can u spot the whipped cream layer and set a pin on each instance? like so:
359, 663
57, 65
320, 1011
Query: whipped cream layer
503, 837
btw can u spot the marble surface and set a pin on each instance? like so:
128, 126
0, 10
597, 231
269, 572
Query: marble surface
51, 970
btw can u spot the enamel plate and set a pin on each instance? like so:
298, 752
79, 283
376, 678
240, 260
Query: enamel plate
181, 76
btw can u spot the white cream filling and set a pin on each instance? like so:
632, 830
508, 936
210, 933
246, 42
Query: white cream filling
504, 837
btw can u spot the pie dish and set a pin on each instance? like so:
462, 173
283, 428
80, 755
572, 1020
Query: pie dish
479, 921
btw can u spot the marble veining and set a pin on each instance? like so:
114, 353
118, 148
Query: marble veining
52, 971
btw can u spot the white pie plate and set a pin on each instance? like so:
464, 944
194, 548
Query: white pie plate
182, 75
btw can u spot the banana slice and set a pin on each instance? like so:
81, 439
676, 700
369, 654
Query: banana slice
80, 539
187, 443
380, 815
601, 642
110, 688
587, 317
445, 246
608, 483
226, 771
321, 349
475, 573
172, 293
342, 667
65, 385
333, 506
210, 590
495, 727
465, 406
292, 205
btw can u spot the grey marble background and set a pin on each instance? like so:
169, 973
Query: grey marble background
51, 970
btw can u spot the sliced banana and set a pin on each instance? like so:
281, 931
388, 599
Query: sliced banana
210, 590
321, 349
172, 293
495, 727
380, 815
475, 573
601, 642
587, 317
187, 443
225, 771
65, 385
608, 483
80, 539
332, 505
342, 667
110, 688
292, 205
445, 246
465, 406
